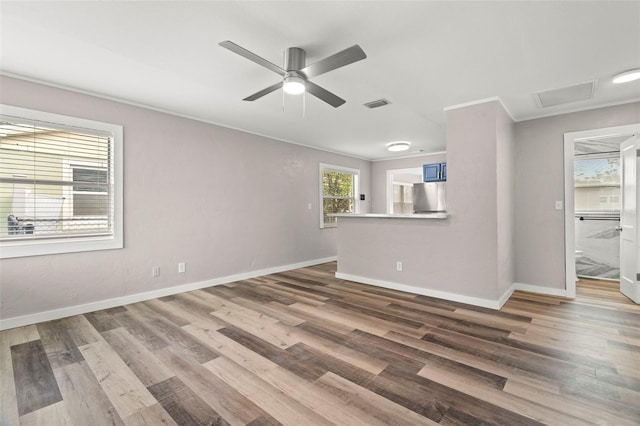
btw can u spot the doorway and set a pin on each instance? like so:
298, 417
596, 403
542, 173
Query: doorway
597, 176
400, 189
595, 202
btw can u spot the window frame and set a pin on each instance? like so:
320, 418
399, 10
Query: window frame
599, 156
72, 244
356, 189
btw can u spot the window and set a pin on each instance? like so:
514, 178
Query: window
60, 184
338, 189
88, 197
597, 183
402, 198
400, 189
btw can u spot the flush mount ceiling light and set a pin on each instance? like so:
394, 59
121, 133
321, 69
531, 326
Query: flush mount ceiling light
627, 76
293, 85
398, 146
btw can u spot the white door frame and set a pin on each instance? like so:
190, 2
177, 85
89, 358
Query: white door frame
629, 222
569, 207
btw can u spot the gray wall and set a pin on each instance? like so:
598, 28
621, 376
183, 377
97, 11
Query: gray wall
505, 173
227, 202
224, 201
472, 197
379, 176
539, 181
457, 255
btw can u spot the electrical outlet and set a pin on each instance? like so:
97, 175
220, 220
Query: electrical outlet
309, 206
155, 271
399, 266
182, 267
558, 205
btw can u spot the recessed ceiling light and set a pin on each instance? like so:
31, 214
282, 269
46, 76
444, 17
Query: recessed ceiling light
627, 76
398, 146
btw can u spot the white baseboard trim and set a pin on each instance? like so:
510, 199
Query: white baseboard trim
37, 317
531, 289
507, 294
454, 297
539, 289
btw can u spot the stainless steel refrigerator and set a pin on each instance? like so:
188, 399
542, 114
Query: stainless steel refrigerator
430, 197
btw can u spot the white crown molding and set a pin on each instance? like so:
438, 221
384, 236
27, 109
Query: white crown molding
421, 154
542, 114
169, 112
482, 101
574, 110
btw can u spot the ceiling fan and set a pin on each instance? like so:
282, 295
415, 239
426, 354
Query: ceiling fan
296, 74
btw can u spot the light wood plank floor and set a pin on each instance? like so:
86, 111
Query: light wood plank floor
304, 348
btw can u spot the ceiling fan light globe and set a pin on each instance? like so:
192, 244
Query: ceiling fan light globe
293, 85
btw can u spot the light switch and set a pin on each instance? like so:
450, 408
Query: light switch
558, 205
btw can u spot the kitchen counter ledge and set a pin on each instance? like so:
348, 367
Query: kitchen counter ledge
440, 215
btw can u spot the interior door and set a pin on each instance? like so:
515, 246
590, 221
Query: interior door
629, 151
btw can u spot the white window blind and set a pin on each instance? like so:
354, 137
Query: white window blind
57, 181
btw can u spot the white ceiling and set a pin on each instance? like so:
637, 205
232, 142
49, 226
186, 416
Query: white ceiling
422, 56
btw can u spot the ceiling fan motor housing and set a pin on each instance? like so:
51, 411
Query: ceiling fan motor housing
294, 59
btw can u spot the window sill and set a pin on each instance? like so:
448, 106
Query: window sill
23, 248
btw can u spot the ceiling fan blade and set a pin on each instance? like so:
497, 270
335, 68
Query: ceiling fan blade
251, 56
337, 60
263, 92
324, 95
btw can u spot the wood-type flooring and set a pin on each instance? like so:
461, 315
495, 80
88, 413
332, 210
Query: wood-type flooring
304, 348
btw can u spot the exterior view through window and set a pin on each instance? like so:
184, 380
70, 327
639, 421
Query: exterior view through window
338, 188
57, 184
597, 184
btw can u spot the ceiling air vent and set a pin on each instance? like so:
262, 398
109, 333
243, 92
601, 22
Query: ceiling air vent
377, 104
565, 95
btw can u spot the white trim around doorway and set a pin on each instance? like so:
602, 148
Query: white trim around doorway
569, 207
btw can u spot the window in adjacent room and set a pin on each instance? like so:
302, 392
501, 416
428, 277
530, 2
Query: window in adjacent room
338, 189
400, 189
597, 183
402, 198
60, 184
